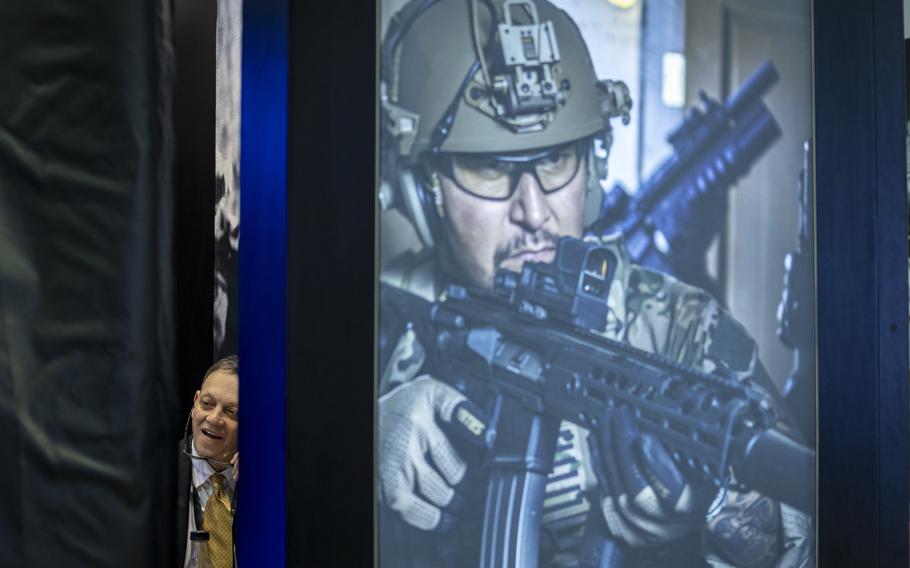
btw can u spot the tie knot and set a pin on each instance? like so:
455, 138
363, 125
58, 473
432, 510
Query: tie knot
218, 481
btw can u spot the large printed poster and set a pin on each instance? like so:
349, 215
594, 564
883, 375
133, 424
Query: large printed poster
228, 40
596, 309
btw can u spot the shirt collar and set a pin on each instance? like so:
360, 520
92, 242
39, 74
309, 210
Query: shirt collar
202, 470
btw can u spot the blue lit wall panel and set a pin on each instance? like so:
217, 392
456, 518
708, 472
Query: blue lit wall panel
261, 501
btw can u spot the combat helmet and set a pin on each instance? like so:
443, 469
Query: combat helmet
486, 76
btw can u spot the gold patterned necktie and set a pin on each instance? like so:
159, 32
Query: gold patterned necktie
217, 521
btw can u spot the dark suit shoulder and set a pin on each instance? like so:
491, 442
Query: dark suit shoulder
184, 478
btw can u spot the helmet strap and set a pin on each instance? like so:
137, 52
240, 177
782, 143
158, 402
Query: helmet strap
436, 190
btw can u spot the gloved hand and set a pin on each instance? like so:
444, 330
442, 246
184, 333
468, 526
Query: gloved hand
647, 500
418, 466
746, 527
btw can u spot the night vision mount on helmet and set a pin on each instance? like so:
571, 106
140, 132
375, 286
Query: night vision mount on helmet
478, 76
530, 85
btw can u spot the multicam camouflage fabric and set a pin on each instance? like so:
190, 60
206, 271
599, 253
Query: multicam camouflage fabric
650, 310
657, 313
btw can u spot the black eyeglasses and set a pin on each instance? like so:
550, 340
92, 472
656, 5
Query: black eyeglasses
495, 176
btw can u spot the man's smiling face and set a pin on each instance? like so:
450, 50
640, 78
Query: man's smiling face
215, 416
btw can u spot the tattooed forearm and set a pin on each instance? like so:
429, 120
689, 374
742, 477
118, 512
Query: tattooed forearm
746, 528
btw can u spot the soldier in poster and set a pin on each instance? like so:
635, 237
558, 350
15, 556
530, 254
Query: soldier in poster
496, 133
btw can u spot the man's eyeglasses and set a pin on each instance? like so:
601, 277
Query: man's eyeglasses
495, 177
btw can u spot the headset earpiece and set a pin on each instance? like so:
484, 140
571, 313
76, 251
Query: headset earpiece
187, 431
417, 205
428, 189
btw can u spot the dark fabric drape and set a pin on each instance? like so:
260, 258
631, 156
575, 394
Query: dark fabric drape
87, 405
194, 198
330, 279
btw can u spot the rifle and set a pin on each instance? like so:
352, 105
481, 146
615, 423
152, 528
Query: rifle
796, 311
674, 215
528, 348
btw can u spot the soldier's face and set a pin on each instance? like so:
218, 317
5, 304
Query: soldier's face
215, 417
485, 235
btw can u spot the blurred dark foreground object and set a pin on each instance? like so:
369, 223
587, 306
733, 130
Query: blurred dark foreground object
86, 322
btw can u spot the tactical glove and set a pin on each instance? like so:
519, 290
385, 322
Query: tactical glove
418, 467
646, 498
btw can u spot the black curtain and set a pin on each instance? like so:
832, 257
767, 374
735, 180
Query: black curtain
330, 283
194, 201
87, 390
